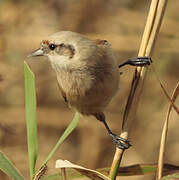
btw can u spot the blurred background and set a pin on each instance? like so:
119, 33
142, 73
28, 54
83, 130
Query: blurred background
23, 24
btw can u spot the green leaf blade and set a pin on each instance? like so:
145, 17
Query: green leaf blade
7, 167
30, 107
66, 133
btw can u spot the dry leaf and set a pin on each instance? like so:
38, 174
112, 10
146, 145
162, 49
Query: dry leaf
95, 175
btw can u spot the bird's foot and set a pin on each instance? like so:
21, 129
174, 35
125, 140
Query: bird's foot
120, 142
139, 61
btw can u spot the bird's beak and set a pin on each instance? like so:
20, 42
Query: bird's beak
37, 52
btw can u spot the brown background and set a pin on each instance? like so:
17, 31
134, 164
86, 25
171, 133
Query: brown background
23, 24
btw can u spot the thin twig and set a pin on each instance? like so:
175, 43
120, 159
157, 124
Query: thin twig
164, 135
165, 92
63, 170
152, 27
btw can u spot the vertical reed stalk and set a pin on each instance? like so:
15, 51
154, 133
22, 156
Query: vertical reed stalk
155, 16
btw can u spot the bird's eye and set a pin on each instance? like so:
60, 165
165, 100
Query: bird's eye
52, 46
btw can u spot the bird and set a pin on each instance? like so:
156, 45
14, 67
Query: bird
87, 73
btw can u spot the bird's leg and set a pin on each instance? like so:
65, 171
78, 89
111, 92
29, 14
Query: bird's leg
139, 61
118, 141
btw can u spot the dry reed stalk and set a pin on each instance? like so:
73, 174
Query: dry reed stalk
162, 149
151, 30
164, 135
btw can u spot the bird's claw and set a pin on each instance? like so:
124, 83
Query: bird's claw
120, 142
139, 61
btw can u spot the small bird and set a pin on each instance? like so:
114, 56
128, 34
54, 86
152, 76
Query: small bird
87, 73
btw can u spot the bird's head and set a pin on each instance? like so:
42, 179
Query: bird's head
58, 47
67, 48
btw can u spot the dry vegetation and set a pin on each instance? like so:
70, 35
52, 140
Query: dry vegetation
24, 23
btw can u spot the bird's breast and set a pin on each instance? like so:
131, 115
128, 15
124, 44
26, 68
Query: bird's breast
74, 84
88, 92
